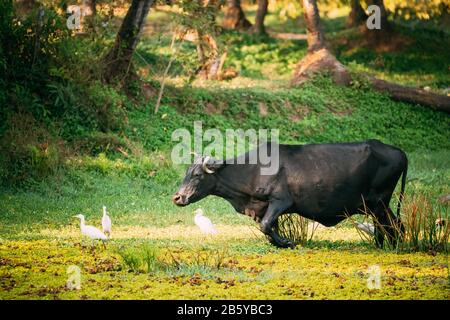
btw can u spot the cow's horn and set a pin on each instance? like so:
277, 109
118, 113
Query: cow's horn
204, 165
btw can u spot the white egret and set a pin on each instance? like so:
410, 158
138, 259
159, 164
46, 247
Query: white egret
205, 225
365, 227
90, 231
106, 222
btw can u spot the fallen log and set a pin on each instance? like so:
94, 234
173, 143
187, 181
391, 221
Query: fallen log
412, 95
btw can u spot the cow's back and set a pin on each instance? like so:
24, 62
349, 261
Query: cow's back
325, 179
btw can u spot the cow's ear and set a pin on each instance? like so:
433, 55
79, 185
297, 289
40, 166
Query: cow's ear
216, 165
210, 165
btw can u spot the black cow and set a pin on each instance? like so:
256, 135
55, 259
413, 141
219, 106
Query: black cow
322, 182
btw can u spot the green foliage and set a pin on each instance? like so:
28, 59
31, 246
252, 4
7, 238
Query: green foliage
130, 259
48, 77
28, 151
26, 54
198, 16
144, 259
100, 142
318, 112
258, 56
151, 259
420, 59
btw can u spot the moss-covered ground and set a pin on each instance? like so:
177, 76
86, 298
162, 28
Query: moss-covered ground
237, 263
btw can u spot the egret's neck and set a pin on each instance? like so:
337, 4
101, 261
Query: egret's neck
82, 222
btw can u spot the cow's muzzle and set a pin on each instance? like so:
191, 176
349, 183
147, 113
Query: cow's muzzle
179, 200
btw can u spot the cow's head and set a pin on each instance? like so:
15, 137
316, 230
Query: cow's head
198, 183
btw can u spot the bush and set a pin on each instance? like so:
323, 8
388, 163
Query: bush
27, 151
425, 226
146, 259
99, 142
297, 229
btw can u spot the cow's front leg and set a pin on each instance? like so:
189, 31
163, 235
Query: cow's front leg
268, 222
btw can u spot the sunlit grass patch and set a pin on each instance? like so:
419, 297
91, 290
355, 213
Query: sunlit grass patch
173, 232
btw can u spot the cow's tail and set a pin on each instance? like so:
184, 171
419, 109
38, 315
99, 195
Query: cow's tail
402, 190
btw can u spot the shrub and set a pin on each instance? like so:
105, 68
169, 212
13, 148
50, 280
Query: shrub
144, 259
27, 151
100, 142
295, 228
425, 225
150, 258
131, 259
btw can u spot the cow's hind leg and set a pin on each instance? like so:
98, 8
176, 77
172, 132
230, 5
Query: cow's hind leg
387, 224
398, 228
270, 219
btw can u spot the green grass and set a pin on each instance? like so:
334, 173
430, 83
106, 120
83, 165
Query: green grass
420, 61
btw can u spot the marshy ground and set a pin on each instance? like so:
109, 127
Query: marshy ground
237, 263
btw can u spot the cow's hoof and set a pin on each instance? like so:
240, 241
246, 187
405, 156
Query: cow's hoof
283, 243
291, 244
286, 244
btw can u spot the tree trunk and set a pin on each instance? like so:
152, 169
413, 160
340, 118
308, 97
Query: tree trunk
316, 37
208, 50
119, 59
258, 27
378, 36
208, 54
235, 17
444, 19
385, 25
89, 7
318, 58
357, 14
412, 95
379, 39
89, 10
